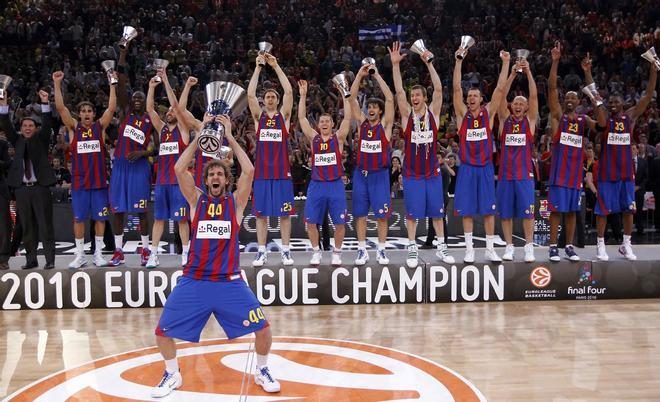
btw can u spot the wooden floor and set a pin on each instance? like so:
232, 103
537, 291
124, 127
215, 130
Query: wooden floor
516, 351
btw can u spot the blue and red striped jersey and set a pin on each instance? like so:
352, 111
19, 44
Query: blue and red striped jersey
616, 158
326, 159
214, 240
373, 148
567, 153
421, 160
171, 147
88, 168
272, 156
516, 154
134, 135
476, 141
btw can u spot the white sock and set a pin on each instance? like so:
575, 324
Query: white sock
440, 239
262, 360
145, 241
172, 366
489, 242
362, 244
626, 239
285, 248
119, 241
98, 241
80, 246
600, 241
315, 249
468, 240
262, 249
186, 247
569, 245
154, 249
381, 246
553, 245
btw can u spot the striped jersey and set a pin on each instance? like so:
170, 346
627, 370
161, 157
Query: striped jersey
421, 160
134, 135
615, 150
214, 239
272, 156
170, 148
516, 153
88, 168
476, 141
326, 159
567, 153
373, 148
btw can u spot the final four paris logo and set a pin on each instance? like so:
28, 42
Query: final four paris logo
308, 369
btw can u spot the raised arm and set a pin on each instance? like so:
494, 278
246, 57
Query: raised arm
183, 176
503, 109
157, 122
68, 120
106, 118
553, 93
46, 118
457, 90
637, 110
345, 126
388, 113
401, 100
601, 115
356, 112
533, 111
306, 128
287, 97
183, 99
436, 100
122, 70
244, 183
253, 102
498, 93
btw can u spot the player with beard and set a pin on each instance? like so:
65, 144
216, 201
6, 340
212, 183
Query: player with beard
566, 165
326, 189
168, 200
273, 188
89, 184
616, 173
212, 281
422, 178
515, 186
475, 185
130, 180
371, 183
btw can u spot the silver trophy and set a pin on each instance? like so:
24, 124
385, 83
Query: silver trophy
264, 47
652, 58
369, 60
109, 67
466, 43
521, 54
159, 64
5, 80
222, 98
128, 35
342, 83
419, 48
592, 92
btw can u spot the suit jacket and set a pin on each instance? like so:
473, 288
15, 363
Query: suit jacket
5, 163
642, 173
37, 146
654, 176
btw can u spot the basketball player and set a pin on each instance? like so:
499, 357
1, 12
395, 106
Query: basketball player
89, 182
130, 180
422, 178
212, 282
273, 188
371, 183
616, 176
475, 184
168, 200
566, 165
515, 185
326, 189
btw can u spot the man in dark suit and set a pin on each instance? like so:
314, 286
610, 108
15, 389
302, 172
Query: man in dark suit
641, 166
5, 218
30, 176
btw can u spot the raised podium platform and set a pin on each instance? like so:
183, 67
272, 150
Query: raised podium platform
431, 282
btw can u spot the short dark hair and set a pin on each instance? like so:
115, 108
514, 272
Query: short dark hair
377, 101
218, 163
85, 103
420, 87
273, 91
29, 118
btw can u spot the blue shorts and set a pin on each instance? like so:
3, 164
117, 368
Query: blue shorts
323, 196
169, 203
130, 185
423, 197
475, 190
617, 196
515, 199
192, 302
564, 199
372, 190
90, 203
273, 198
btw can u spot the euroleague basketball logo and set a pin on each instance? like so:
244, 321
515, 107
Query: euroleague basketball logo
540, 277
308, 369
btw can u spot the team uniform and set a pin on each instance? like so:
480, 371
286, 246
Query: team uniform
212, 282
89, 183
371, 175
130, 182
616, 176
515, 186
475, 185
170, 204
326, 189
273, 188
422, 181
566, 172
